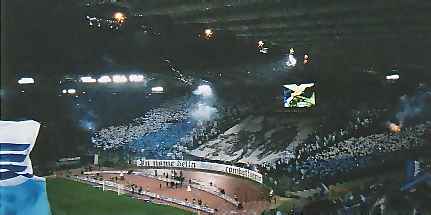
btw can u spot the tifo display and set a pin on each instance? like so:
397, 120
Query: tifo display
198, 165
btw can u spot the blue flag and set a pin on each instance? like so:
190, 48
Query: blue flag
21, 193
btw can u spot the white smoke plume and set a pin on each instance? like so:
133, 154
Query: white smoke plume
203, 112
413, 106
203, 90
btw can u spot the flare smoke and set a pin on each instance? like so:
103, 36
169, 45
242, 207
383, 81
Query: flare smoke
413, 106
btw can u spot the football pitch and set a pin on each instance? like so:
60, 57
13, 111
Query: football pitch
74, 198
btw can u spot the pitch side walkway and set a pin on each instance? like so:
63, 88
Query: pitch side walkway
251, 198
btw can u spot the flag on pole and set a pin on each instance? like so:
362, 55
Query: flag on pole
21, 192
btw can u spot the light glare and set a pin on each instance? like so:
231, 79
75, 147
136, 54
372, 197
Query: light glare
208, 33
119, 79
392, 77
104, 79
306, 59
291, 51
136, 78
291, 62
26, 81
157, 89
88, 79
119, 17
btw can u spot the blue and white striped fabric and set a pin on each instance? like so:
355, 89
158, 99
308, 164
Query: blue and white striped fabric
16, 142
20, 191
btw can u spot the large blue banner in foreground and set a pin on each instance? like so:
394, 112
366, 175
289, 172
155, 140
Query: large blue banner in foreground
21, 193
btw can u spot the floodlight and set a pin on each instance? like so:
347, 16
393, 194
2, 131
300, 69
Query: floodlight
157, 89
136, 78
104, 79
392, 77
26, 81
88, 79
119, 79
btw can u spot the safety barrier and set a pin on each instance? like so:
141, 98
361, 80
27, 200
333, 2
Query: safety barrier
119, 188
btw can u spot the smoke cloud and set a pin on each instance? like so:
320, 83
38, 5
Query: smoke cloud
413, 106
203, 90
87, 124
203, 112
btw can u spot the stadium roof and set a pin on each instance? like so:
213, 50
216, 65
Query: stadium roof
61, 43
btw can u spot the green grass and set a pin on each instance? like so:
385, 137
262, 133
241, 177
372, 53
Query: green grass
74, 198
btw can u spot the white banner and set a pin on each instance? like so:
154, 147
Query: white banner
215, 167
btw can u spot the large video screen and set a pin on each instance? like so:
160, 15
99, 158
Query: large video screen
299, 96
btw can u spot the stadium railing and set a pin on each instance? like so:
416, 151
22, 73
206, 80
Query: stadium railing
112, 186
196, 185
